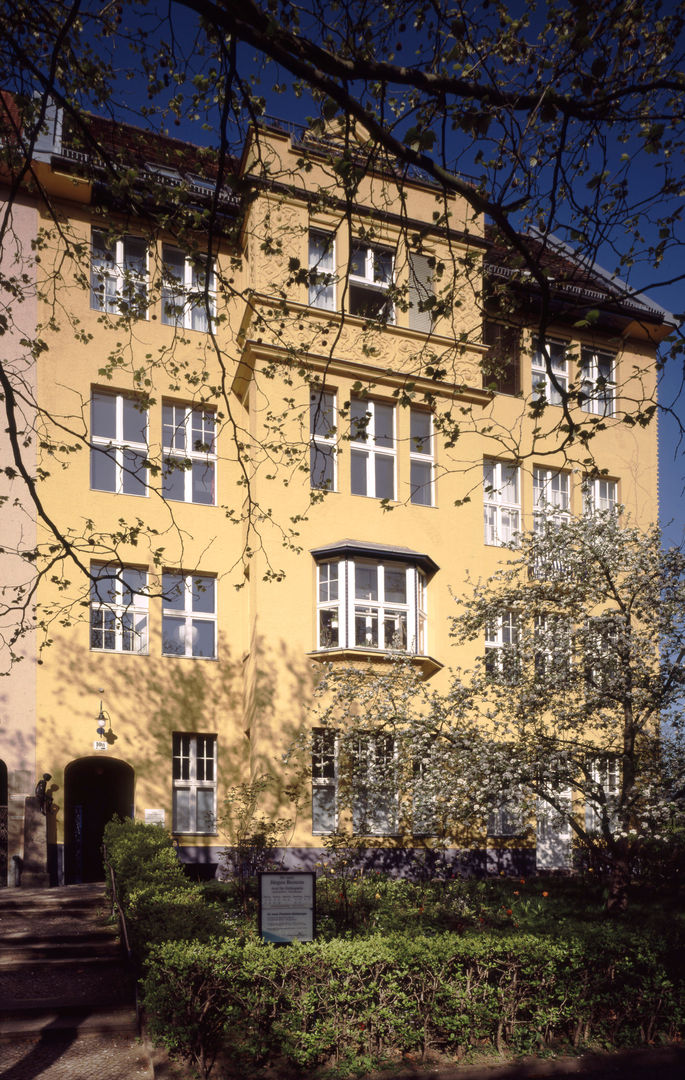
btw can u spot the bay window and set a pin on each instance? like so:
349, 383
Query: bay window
366, 602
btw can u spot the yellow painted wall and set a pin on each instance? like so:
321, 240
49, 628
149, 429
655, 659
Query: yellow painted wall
256, 694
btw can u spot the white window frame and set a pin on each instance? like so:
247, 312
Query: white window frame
116, 287
190, 756
323, 440
598, 381
189, 589
119, 604
322, 269
605, 774
425, 815
501, 512
340, 611
507, 818
190, 457
552, 640
542, 383
366, 283
120, 451
421, 460
324, 781
186, 304
365, 444
375, 769
600, 495
502, 635
551, 496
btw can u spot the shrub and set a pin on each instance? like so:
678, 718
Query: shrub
318, 1004
159, 901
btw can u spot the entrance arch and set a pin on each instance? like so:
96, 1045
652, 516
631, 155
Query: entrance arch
95, 789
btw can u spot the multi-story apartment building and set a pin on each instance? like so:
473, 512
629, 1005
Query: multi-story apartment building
278, 430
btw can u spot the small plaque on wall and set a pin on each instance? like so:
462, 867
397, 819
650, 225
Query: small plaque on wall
154, 817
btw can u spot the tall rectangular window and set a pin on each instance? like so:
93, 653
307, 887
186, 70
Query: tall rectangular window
502, 661
599, 495
370, 280
321, 269
372, 452
501, 501
322, 435
118, 608
605, 788
188, 296
328, 606
598, 382
506, 818
421, 457
375, 805
501, 363
189, 449
188, 615
118, 452
118, 274
194, 783
421, 292
324, 781
551, 496
552, 353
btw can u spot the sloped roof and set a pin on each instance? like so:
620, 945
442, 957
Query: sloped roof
576, 283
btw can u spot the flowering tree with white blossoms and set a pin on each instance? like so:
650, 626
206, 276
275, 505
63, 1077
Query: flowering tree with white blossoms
574, 707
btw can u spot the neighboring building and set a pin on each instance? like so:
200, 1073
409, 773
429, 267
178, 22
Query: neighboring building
190, 667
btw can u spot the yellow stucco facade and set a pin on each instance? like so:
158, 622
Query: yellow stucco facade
273, 353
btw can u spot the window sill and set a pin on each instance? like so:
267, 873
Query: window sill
118, 652
426, 664
179, 656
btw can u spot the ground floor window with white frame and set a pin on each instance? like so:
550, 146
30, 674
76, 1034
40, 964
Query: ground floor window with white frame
194, 765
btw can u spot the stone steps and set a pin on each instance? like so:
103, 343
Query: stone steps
61, 966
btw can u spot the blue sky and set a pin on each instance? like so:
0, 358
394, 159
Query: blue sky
286, 105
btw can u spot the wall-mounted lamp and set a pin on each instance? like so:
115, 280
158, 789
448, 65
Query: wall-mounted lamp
104, 724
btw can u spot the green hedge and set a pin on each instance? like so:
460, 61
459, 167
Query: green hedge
159, 901
327, 1002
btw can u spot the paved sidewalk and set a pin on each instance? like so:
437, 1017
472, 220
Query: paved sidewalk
66, 1056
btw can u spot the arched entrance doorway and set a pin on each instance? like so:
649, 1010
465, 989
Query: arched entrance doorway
4, 824
95, 789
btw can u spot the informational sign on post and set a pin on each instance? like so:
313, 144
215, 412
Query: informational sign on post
287, 906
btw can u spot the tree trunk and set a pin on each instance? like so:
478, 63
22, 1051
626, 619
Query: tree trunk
617, 900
